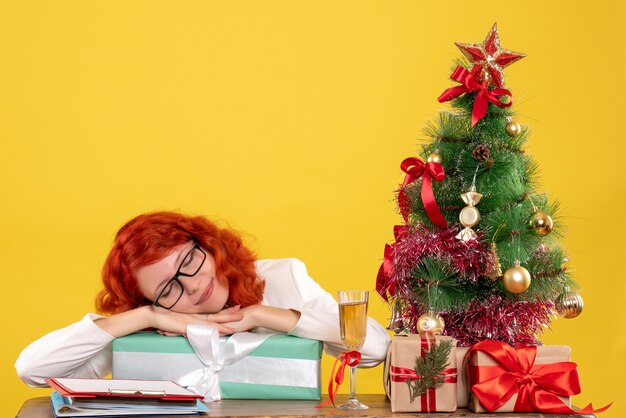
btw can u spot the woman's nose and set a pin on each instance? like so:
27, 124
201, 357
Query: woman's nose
191, 284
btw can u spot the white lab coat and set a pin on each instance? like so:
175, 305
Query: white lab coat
84, 350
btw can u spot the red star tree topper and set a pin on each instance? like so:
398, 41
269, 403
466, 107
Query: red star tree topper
489, 58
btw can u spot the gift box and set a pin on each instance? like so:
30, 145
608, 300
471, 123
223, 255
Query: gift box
528, 379
273, 367
411, 385
462, 390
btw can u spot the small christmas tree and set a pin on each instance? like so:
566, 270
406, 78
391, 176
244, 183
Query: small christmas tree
477, 255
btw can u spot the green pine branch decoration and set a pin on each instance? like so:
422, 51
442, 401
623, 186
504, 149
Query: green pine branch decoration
437, 286
429, 369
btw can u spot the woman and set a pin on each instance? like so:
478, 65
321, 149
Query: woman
167, 270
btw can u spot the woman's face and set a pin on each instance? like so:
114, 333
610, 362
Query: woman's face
201, 293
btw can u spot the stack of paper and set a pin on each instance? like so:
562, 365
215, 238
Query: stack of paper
118, 397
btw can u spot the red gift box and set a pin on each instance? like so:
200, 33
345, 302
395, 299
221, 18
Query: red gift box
528, 379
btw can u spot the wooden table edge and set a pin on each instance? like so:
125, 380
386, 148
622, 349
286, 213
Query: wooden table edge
378, 403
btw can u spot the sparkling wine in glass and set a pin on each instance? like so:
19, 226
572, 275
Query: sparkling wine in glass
353, 325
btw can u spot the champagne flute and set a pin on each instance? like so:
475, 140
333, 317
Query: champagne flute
353, 324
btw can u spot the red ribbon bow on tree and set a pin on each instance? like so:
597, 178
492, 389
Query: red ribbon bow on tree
347, 358
469, 83
384, 285
538, 386
414, 169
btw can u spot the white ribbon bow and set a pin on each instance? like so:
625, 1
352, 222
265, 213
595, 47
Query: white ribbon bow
206, 343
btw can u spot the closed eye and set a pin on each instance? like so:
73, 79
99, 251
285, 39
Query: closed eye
167, 290
189, 259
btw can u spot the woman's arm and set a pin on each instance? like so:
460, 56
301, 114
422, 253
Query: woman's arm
270, 317
318, 319
80, 350
83, 349
166, 321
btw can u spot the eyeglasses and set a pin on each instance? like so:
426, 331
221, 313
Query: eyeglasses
173, 290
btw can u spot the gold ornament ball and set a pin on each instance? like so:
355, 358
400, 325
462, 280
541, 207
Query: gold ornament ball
541, 223
430, 323
435, 157
513, 128
569, 305
469, 216
516, 279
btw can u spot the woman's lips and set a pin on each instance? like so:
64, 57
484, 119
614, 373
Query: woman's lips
207, 293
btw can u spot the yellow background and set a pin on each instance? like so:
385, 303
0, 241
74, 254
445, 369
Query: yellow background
288, 120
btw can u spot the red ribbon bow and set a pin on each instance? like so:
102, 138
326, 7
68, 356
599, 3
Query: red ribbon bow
414, 169
538, 386
384, 285
347, 358
469, 83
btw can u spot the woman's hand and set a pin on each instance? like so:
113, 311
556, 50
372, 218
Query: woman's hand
165, 321
175, 323
277, 319
249, 319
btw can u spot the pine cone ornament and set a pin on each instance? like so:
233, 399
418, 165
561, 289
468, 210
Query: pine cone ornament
480, 153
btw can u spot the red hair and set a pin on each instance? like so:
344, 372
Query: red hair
150, 237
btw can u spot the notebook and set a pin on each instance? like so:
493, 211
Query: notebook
64, 406
124, 388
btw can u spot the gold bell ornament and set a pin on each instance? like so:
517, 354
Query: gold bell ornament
430, 323
396, 323
469, 215
569, 304
516, 279
512, 128
496, 272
